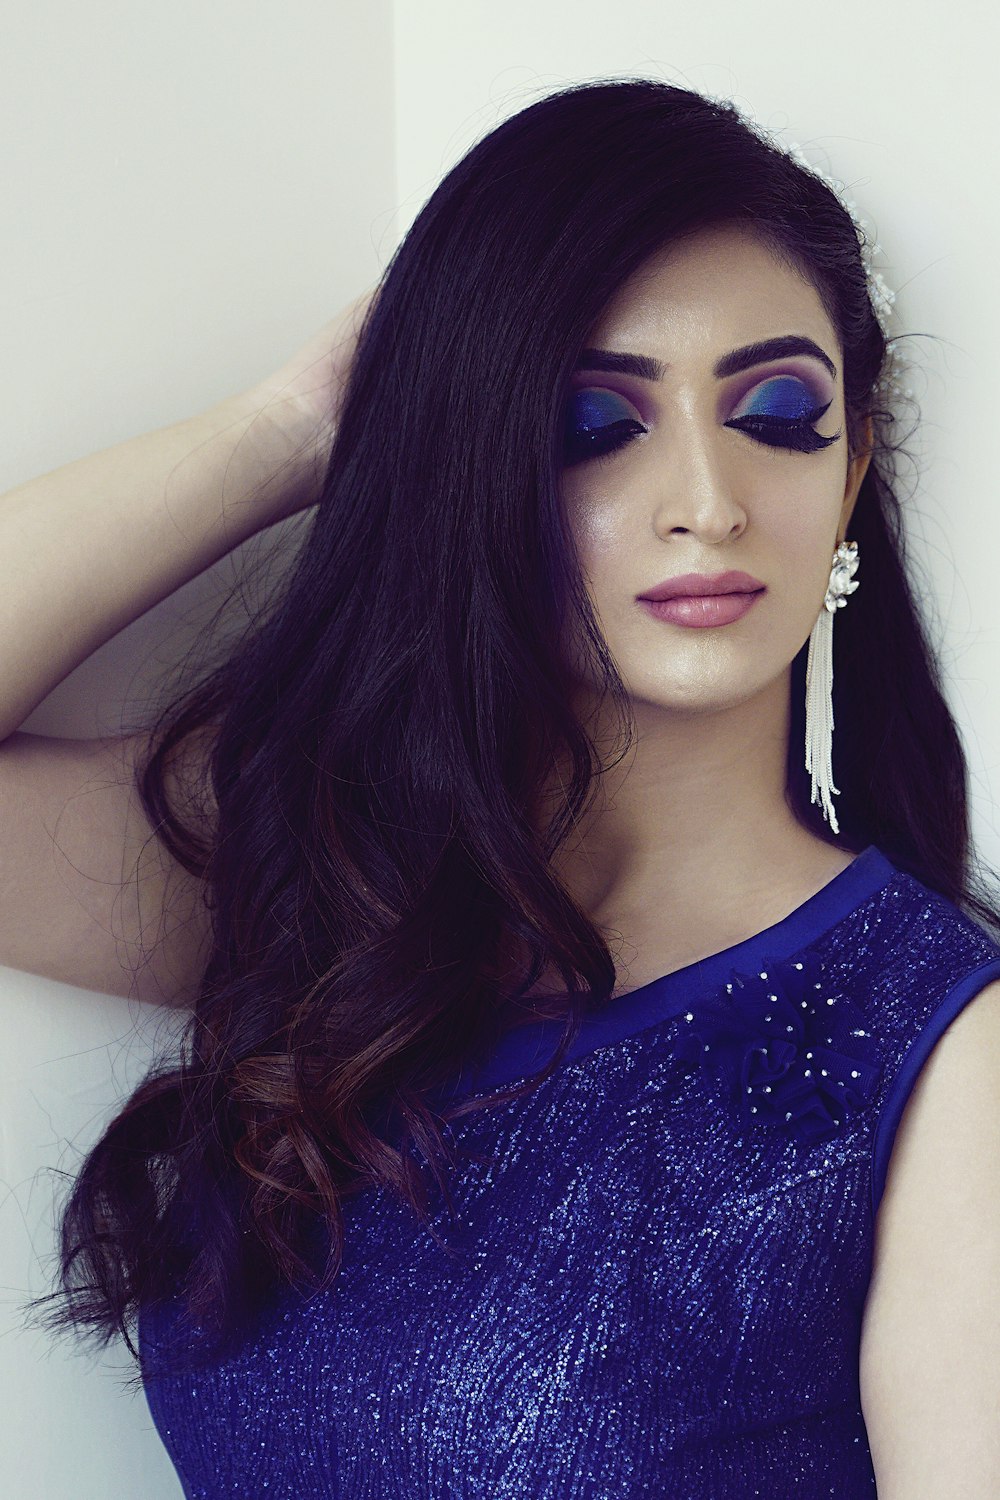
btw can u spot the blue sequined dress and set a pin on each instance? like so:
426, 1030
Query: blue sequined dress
658, 1258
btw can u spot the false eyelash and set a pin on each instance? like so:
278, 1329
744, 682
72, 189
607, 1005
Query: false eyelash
600, 446
800, 435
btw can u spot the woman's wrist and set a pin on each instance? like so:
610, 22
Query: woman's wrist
298, 404
281, 452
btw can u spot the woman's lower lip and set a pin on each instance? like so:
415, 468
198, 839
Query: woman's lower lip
702, 610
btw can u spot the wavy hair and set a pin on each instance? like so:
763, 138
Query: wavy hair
382, 896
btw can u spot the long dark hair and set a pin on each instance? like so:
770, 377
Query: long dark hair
381, 894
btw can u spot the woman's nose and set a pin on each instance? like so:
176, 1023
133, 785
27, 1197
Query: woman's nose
696, 490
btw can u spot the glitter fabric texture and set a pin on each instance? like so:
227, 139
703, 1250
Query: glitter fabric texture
651, 1285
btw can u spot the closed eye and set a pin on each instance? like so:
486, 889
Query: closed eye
597, 422
779, 412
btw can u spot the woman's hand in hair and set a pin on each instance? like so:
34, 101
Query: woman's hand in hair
303, 396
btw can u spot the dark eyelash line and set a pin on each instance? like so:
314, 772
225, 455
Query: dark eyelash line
799, 434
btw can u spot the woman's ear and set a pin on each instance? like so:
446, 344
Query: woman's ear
856, 471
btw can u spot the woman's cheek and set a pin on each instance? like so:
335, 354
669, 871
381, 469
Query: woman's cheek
601, 539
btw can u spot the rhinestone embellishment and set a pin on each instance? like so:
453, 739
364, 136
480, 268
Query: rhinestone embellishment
789, 1050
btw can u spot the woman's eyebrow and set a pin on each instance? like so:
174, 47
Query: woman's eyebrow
648, 368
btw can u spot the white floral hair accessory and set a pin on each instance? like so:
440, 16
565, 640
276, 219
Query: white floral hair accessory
881, 295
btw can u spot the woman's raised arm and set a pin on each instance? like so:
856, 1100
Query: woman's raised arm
89, 547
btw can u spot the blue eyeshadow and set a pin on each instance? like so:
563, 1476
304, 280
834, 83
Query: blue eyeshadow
595, 408
784, 396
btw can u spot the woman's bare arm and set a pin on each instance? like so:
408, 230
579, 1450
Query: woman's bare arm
88, 894
89, 547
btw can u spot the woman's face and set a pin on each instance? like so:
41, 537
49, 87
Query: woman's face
700, 481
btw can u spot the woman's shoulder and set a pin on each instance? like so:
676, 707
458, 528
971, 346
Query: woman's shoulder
915, 960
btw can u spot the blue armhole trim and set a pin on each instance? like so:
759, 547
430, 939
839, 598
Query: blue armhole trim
885, 1131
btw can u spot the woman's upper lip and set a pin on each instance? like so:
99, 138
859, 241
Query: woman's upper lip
691, 585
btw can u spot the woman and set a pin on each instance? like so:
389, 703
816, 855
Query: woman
503, 869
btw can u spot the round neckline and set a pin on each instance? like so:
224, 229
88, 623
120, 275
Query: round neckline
525, 1049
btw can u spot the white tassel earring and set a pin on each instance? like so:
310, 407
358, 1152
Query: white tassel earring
819, 681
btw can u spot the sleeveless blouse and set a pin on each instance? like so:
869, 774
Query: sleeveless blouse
651, 1277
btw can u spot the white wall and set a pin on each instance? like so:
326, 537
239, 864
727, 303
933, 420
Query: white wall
191, 190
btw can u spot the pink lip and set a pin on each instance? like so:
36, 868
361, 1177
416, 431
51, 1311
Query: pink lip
704, 585
704, 610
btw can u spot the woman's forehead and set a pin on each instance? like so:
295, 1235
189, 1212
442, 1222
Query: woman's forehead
726, 264
707, 293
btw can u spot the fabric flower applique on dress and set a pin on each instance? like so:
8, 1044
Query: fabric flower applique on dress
789, 1052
